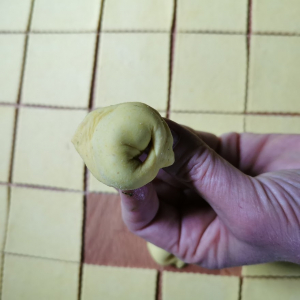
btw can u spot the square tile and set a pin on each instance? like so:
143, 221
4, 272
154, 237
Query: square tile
64, 15
11, 60
44, 153
45, 223
213, 123
138, 15
7, 116
180, 286
273, 124
96, 186
274, 74
212, 15
4, 207
118, 283
133, 67
276, 16
107, 239
272, 269
209, 73
59, 69
14, 15
30, 278
275, 289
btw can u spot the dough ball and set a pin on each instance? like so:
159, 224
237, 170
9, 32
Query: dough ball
110, 140
164, 258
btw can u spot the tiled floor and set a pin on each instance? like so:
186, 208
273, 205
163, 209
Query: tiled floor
61, 232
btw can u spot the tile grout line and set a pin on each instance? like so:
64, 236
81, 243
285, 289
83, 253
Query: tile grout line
86, 173
12, 153
240, 288
171, 58
249, 32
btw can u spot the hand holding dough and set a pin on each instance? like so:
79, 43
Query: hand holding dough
164, 258
111, 139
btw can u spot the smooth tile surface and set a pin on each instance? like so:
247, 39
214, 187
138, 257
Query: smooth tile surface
7, 116
59, 69
276, 16
133, 67
212, 15
209, 73
213, 123
273, 124
129, 15
272, 269
44, 152
11, 60
14, 15
275, 289
274, 74
180, 286
4, 207
113, 283
64, 15
27, 278
45, 223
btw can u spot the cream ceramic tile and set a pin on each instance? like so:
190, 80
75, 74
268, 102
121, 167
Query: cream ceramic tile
44, 153
138, 15
272, 269
276, 16
97, 186
212, 15
45, 224
179, 286
133, 67
209, 73
30, 278
273, 124
275, 289
274, 74
100, 282
11, 59
59, 69
7, 115
14, 15
65, 15
3, 214
214, 123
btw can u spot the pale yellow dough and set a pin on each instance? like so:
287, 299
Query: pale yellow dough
274, 74
179, 286
275, 289
45, 223
29, 278
276, 16
112, 283
272, 269
125, 15
164, 258
209, 73
212, 15
273, 124
3, 214
133, 66
110, 141
213, 123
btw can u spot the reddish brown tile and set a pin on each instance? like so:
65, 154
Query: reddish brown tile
237, 271
107, 239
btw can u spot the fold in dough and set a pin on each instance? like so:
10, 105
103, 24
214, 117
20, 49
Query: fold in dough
111, 139
164, 258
